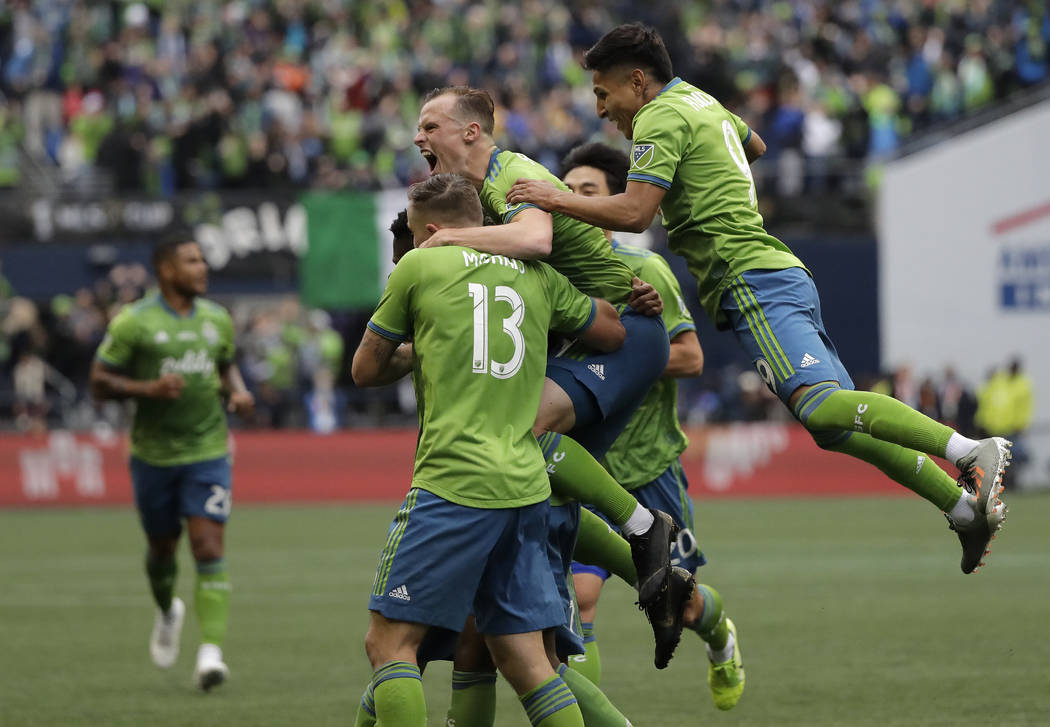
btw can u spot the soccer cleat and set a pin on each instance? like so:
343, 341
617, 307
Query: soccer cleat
210, 670
651, 553
164, 641
976, 536
727, 678
981, 474
666, 611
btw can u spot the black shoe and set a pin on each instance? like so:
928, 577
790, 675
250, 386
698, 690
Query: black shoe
651, 553
666, 613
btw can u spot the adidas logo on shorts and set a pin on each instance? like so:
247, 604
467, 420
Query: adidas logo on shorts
808, 360
399, 592
597, 369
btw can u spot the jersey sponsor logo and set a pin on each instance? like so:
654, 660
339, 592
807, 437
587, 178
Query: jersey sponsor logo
161, 337
642, 155
808, 360
399, 592
597, 369
477, 259
210, 332
191, 362
186, 336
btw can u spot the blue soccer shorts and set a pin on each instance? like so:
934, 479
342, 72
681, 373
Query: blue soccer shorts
166, 495
607, 388
443, 561
564, 526
668, 492
775, 315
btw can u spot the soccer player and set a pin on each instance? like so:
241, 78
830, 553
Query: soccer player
645, 458
690, 159
172, 352
589, 395
471, 535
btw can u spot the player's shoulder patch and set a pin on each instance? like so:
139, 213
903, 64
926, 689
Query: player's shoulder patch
642, 155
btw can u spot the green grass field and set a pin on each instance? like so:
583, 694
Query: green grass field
851, 612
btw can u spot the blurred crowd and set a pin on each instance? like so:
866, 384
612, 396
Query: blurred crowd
166, 96
291, 358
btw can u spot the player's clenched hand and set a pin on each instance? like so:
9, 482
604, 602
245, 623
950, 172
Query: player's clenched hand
242, 403
168, 386
440, 238
644, 298
534, 191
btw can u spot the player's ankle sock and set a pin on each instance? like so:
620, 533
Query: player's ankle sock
473, 699
595, 707
598, 544
161, 580
711, 626
910, 468
958, 447
826, 406
212, 600
398, 692
720, 656
366, 710
641, 520
552, 704
589, 663
575, 473
963, 513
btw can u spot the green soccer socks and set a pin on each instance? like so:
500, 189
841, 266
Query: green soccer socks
473, 699
397, 691
552, 704
212, 600
595, 707
161, 580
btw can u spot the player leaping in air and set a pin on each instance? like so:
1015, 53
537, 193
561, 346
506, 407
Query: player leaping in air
690, 159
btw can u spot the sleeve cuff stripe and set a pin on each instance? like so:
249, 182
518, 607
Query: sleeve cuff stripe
659, 182
507, 217
590, 318
399, 337
681, 328
748, 137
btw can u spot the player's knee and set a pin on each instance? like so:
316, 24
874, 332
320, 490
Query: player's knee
829, 439
163, 548
206, 547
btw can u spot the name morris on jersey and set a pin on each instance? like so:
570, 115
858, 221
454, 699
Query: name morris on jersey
477, 259
192, 362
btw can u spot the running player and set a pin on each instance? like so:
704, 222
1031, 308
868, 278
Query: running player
645, 458
591, 396
690, 159
471, 534
172, 352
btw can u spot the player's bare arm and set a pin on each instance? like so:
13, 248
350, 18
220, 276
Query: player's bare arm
686, 358
630, 211
755, 147
108, 383
606, 333
528, 236
379, 361
241, 402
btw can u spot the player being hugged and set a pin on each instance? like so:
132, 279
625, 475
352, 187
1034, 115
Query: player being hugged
690, 159
471, 535
172, 352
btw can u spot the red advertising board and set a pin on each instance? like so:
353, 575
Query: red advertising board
743, 460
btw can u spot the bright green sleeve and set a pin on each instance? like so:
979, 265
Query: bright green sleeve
508, 168
227, 348
742, 129
122, 335
571, 311
676, 315
661, 137
393, 317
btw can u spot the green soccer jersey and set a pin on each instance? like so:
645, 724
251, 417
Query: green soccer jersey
148, 339
653, 438
579, 251
687, 143
478, 325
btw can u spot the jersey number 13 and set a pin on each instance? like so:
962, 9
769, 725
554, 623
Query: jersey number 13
511, 326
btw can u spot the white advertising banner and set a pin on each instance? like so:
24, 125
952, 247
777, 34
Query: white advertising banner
964, 262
